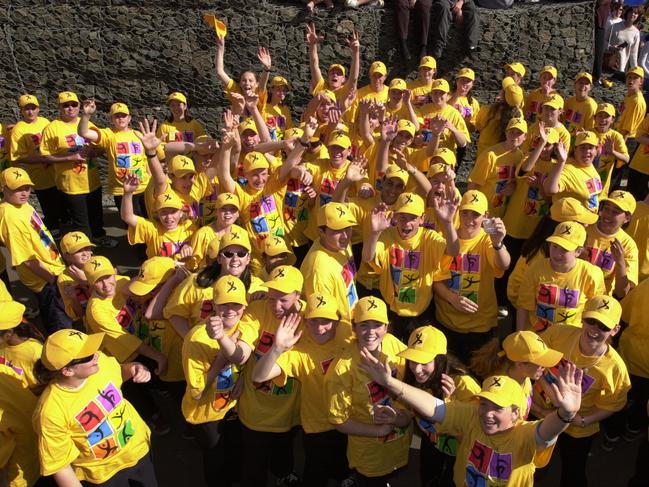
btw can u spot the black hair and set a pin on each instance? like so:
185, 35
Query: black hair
43, 375
210, 274
447, 364
26, 330
503, 112
188, 117
536, 242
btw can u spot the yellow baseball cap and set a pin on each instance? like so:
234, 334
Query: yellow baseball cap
219, 27
603, 308
474, 200
293, 132
637, 71
514, 95
248, 124
428, 62
551, 70
177, 96
527, 346
153, 271
96, 268
606, 108
394, 171
570, 209
12, 314
586, 75
168, 199
277, 245
586, 138
280, 81
518, 124
406, 126
340, 139
436, 168
335, 216
321, 306
255, 160
26, 99
286, 279
568, 235
425, 343
230, 289
554, 101
410, 203
503, 391
73, 242
181, 165
398, 84
466, 73
517, 68
622, 199
225, 199
116, 108
15, 177
338, 66
370, 308
378, 67
67, 96
64, 346
440, 84
446, 155
236, 236
329, 94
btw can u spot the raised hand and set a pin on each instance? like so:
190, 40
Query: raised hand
214, 326
310, 127
354, 41
380, 372
357, 169
148, 137
380, 220
264, 58
617, 250
499, 231
287, 334
389, 129
334, 116
562, 153
89, 107
446, 208
312, 37
238, 102
566, 392
438, 125
131, 183
448, 386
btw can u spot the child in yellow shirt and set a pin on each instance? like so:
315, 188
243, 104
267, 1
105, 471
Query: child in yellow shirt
76, 249
612, 147
535, 98
579, 110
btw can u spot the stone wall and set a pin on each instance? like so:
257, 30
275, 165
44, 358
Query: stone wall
138, 52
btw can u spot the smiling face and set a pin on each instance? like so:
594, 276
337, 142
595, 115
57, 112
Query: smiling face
177, 109
422, 372
227, 215
183, 184
84, 370
407, 224
282, 304
249, 140
121, 121
391, 189
337, 155
230, 313
611, 218
582, 88
169, 217
549, 115
603, 122
495, 419
233, 259
370, 334
470, 223
427, 75
377, 80
69, 111
463, 85
561, 259
248, 83
257, 178
79, 258
402, 140
585, 154
335, 78
594, 336
438, 98
105, 286
278, 93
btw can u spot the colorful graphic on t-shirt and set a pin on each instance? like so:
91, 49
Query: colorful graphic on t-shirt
266, 340
265, 219
108, 429
487, 467
536, 204
594, 187
348, 274
551, 375
602, 258
129, 160
555, 304
574, 118
170, 249
444, 443
535, 109
74, 143
223, 385
126, 316
295, 202
504, 174
4, 361
379, 396
465, 276
404, 270
207, 206
44, 235
327, 188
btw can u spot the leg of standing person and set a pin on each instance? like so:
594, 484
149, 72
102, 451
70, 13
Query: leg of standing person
423, 14
471, 24
319, 468
574, 455
600, 46
96, 214
257, 446
78, 208
51, 203
50, 304
441, 11
637, 184
401, 21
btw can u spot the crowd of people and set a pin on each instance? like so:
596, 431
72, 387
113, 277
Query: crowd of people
325, 274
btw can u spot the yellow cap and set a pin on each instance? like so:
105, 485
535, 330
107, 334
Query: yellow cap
286, 279
440, 84
436, 168
14, 178
335, 216
67, 96
527, 346
517, 123
394, 171
116, 108
551, 70
586, 75
153, 271
25, 100
623, 200
425, 343
466, 73
64, 346
446, 155
340, 139
181, 165
552, 135
514, 95
219, 27
225, 199
338, 66
474, 200
321, 306
638, 71
605, 309
168, 200
73, 242
98, 267
410, 203
554, 101
293, 132
406, 126
586, 138
236, 236
255, 160
329, 94
517, 68
370, 308
503, 391
568, 235
570, 209
248, 124
398, 84
177, 96
276, 246
378, 67
428, 62
606, 108
230, 289
280, 81
12, 314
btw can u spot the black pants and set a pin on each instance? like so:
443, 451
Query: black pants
462, 345
139, 206
636, 417
638, 184
435, 467
221, 445
141, 474
319, 466
265, 451
514, 247
141, 395
50, 304
402, 326
600, 47
383, 481
441, 11
574, 455
86, 213
639, 478
51, 201
402, 19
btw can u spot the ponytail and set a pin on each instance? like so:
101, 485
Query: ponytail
489, 359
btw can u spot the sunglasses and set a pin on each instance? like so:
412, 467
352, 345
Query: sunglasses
229, 254
82, 360
598, 324
70, 104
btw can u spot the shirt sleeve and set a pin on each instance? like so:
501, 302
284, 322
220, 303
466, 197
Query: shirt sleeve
55, 445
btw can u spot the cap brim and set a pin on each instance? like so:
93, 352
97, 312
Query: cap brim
477, 209
587, 218
601, 317
316, 313
417, 356
92, 345
77, 247
182, 172
106, 272
563, 243
282, 288
497, 399
549, 359
140, 288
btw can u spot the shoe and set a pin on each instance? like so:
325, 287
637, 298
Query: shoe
378, 4
158, 425
106, 242
31, 312
348, 482
503, 312
290, 480
56, 234
607, 83
608, 442
437, 52
403, 48
630, 434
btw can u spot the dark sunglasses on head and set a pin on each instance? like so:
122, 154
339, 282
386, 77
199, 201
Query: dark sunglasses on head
229, 254
70, 104
598, 324
82, 360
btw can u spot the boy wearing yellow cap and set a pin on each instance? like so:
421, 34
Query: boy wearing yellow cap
408, 257
420, 87
462, 100
555, 289
375, 90
604, 383
276, 252
276, 113
179, 126
76, 250
307, 357
613, 150
549, 118
268, 411
399, 104
633, 108
33, 250
579, 110
535, 98
88, 431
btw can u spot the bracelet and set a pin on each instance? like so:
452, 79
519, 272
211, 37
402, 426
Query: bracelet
303, 144
151, 155
498, 247
567, 421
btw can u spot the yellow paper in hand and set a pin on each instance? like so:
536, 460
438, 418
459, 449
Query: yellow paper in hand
218, 26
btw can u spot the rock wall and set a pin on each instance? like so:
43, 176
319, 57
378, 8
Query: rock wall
138, 52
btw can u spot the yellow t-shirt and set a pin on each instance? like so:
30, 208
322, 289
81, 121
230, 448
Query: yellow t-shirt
430, 111
638, 230
472, 274
332, 274
489, 128
207, 205
200, 241
296, 213
341, 93
419, 88
182, 131
93, 428
278, 119
125, 155
532, 140
640, 160
82, 293
581, 183
21, 358
27, 238
308, 362
598, 252
4, 293
534, 103
25, 141
160, 241
408, 268
353, 394
190, 301
61, 138
553, 297
579, 115
516, 277
192, 206
266, 406
634, 342
493, 170
467, 108
605, 162
632, 111
116, 317
603, 386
